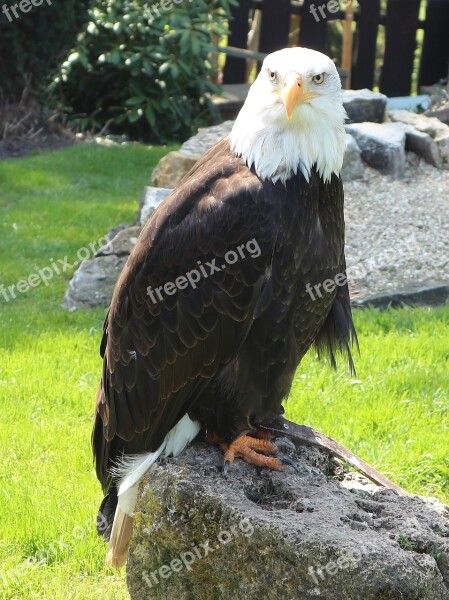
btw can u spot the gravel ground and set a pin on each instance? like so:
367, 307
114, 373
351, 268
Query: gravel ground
397, 232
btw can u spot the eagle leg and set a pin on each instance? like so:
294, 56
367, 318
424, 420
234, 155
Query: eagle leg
253, 450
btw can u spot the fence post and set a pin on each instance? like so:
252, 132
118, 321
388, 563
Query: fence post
366, 44
435, 52
235, 68
400, 44
312, 33
275, 25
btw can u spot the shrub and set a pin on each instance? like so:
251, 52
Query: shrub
148, 79
33, 45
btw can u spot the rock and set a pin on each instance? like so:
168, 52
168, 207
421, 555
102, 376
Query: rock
206, 138
429, 125
433, 127
111, 235
93, 283
382, 146
151, 198
172, 168
423, 145
352, 165
418, 295
283, 536
442, 142
121, 243
441, 113
364, 105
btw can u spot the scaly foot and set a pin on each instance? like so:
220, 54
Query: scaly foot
253, 450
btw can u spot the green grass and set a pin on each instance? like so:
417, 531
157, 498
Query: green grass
394, 414
51, 205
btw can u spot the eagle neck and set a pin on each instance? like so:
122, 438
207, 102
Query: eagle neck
278, 151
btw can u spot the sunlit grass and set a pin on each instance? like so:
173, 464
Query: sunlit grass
51, 205
395, 412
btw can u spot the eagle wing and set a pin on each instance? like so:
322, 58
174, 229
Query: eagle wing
157, 356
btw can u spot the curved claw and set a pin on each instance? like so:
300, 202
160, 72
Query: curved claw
226, 465
285, 442
288, 461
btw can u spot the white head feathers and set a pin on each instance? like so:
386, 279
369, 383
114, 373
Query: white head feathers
293, 117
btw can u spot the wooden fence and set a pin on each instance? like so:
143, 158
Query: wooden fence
400, 21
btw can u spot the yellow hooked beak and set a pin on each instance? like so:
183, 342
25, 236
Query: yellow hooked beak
293, 93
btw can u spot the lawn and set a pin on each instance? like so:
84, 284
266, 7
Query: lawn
393, 413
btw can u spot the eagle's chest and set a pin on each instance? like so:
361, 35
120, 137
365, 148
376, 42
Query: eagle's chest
309, 257
311, 236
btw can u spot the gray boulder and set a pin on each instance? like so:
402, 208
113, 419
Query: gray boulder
423, 145
382, 146
364, 105
283, 536
429, 125
352, 165
93, 283
433, 127
441, 113
429, 294
151, 198
206, 138
172, 168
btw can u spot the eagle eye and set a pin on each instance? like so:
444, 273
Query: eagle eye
272, 75
319, 79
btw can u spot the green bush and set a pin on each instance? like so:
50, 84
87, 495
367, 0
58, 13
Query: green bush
33, 44
148, 79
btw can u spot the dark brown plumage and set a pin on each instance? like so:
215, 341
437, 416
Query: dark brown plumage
226, 351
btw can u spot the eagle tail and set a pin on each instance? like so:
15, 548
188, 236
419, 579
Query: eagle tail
129, 471
120, 537
123, 519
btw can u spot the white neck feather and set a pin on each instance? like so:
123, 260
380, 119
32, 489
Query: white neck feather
277, 148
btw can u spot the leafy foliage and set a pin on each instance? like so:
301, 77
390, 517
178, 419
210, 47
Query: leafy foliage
145, 74
33, 45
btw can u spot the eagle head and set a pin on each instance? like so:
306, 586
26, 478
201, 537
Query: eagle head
293, 117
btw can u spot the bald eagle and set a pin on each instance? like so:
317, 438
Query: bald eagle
213, 312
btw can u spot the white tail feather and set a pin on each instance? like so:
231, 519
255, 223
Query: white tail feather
133, 467
128, 472
120, 538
